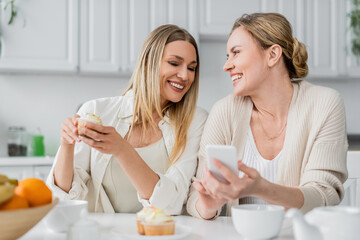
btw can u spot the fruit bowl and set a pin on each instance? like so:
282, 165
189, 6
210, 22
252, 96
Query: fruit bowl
15, 223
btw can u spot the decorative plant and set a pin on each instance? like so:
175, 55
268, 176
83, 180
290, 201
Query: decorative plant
355, 27
13, 13
14, 10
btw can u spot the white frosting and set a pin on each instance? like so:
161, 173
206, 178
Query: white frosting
158, 217
145, 212
90, 118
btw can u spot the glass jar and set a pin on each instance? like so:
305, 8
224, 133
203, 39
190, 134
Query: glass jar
17, 141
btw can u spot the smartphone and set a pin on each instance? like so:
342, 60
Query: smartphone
226, 154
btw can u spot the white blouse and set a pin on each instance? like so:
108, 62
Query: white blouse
170, 192
266, 168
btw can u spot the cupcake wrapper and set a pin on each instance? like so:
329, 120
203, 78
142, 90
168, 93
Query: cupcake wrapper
140, 227
159, 229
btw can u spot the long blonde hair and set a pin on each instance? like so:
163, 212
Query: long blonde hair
273, 28
145, 83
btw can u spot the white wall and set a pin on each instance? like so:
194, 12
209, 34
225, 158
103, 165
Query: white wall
46, 100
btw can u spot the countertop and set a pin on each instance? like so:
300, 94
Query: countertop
26, 161
123, 226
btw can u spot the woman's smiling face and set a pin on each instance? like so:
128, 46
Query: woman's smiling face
246, 62
177, 70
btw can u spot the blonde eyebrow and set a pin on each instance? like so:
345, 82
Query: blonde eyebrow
232, 49
182, 59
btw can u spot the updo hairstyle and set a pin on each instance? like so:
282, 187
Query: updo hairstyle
273, 28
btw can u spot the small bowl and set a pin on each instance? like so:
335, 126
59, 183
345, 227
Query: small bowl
255, 221
15, 223
64, 214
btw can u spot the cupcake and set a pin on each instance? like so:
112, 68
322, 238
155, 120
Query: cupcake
158, 223
89, 118
140, 217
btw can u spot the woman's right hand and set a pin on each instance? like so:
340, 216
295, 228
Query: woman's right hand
69, 131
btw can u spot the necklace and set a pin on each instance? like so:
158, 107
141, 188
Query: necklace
267, 135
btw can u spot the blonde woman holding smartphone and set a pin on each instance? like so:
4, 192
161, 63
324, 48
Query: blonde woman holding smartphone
145, 153
290, 135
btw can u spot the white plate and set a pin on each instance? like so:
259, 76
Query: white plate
130, 232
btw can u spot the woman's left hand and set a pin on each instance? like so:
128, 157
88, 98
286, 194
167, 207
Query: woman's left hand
105, 139
235, 188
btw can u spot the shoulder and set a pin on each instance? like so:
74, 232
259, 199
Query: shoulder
200, 114
101, 106
225, 107
318, 96
199, 118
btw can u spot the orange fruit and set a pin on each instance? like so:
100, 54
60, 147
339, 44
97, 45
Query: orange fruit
35, 191
16, 202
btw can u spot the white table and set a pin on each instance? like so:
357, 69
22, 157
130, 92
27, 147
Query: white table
221, 228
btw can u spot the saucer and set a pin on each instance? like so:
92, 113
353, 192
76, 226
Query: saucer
128, 231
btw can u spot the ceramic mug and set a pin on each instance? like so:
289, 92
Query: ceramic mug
257, 221
65, 213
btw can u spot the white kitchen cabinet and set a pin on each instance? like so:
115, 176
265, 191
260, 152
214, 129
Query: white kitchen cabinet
107, 35
320, 24
26, 167
100, 35
143, 16
114, 31
322, 37
217, 17
41, 172
17, 172
352, 195
48, 41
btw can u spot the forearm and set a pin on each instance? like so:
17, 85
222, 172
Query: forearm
140, 174
204, 213
64, 168
289, 197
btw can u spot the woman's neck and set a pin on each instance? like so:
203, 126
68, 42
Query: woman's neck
273, 98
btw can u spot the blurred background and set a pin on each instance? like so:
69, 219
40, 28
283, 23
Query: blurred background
57, 54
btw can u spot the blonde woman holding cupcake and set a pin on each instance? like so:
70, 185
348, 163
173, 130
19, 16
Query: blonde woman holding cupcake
145, 151
290, 135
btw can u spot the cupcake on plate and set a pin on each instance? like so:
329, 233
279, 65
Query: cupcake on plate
140, 217
158, 223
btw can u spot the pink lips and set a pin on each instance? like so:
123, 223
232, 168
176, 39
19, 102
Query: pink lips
175, 88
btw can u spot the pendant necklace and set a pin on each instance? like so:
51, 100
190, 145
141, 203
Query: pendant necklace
267, 135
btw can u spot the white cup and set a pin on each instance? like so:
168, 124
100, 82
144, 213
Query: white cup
256, 221
65, 213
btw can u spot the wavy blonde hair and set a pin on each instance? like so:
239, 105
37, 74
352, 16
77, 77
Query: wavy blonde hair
273, 28
145, 83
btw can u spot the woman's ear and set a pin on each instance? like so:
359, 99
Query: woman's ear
274, 54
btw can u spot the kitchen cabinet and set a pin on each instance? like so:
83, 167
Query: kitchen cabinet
113, 31
100, 36
320, 24
26, 167
87, 36
217, 17
352, 194
323, 27
43, 37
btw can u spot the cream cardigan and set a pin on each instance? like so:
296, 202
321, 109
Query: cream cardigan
314, 151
